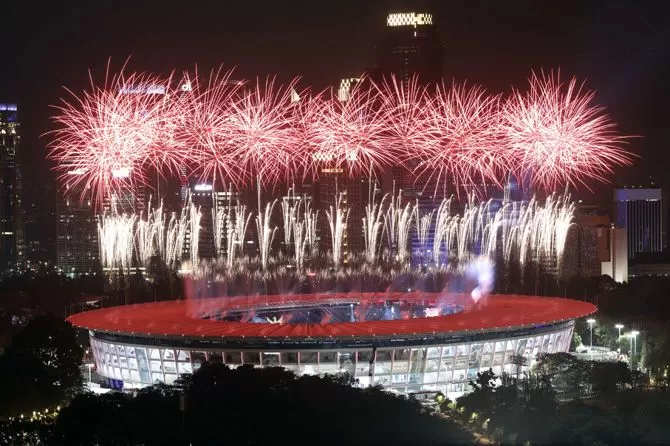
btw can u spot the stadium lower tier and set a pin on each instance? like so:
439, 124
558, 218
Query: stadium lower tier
423, 347
443, 367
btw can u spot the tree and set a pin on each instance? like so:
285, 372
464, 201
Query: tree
519, 361
40, 368
99, 419
608, 377
567, 373
480, 402
576, 341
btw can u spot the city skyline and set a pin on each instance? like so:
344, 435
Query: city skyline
357, 60
343, 40
446, 220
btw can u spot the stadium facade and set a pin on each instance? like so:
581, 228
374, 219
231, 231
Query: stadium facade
409, 342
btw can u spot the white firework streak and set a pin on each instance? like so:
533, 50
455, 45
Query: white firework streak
265, 234
289, 210
310, 218
299, 241
237, 222
194, 228
337, 221
219, 214
116, 241
528, 232
304, 231
423, 224
442, 228
373, 225
144, 240
404, 225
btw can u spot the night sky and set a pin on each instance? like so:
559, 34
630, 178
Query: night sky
621, 49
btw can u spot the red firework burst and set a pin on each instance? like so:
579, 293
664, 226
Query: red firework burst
104, 137
112, 136
406, 113
557, 137
462, 140
351, 133
264, 140
206, 136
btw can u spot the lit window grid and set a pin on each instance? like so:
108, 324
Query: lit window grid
409, 19
447, 367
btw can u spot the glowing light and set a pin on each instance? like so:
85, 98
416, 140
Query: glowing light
123, 172
453, 136
432, 312
557, 137
409, 19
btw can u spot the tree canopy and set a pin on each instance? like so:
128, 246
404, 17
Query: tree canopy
251, 406
40, 368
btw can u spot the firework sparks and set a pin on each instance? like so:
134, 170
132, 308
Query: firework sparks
454, 137
462, 146
104, 138
558, 137
202, 119
337, 222
350, 134
263, 134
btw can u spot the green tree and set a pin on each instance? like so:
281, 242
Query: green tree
480, 403
568, 374
40, 368
608, 377
576, 341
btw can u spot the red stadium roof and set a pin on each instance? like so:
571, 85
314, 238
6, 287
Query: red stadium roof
179, 318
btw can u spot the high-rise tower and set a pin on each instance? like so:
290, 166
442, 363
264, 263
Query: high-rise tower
639, 210
411, 47
77, 249
11, 212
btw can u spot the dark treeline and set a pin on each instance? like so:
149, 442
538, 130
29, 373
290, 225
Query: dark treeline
564, 400
248, 406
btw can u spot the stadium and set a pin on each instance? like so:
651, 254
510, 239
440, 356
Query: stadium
408, 342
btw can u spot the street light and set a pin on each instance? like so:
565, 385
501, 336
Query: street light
633, 335
619, 327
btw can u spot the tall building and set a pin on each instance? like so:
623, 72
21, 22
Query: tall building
214, 206
639, 210
612, 247
77, 250
11, 211
345, 87
594, 247
411, 47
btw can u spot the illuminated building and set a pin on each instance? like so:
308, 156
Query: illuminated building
639, 211
595, 247
213, 204
408, 342
345, 87
77, 250
613, 250
11, 210
411, 47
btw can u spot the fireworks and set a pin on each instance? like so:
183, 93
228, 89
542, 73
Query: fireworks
463, 144
106, 136
337, 222
217, 129
265, 233
557, 137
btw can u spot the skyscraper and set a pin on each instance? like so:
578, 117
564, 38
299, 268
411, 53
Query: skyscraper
639, 210
411, 47
11, 212
77, 250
